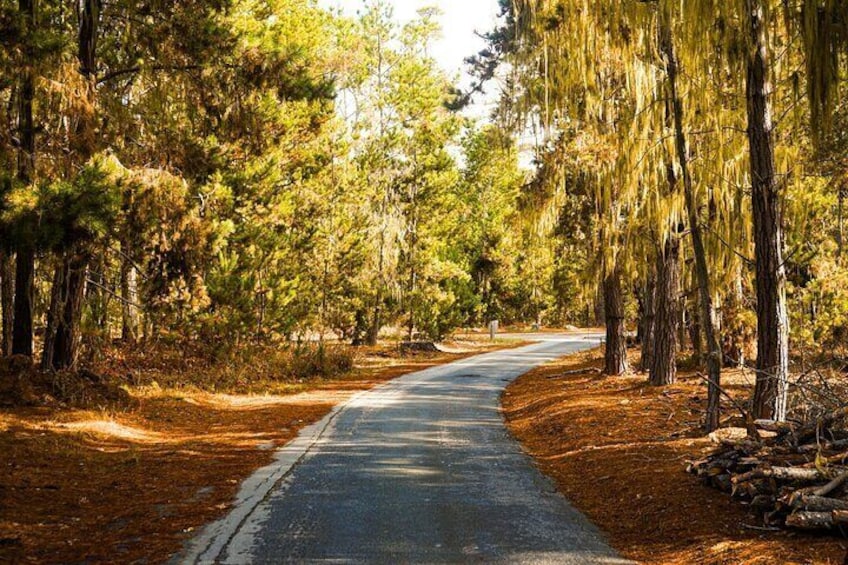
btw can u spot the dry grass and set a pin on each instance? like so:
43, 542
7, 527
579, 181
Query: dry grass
131, 486
617, 449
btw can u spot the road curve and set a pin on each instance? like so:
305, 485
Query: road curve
420, 470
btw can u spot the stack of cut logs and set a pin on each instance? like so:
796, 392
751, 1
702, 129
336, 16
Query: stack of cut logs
796, 476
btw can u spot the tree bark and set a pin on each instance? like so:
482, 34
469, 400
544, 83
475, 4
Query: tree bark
648, 319
7, 297
616, 340
129, 297
664, 365
770, 392
708, 316
68, 335
57, 292
25, 263
24, 273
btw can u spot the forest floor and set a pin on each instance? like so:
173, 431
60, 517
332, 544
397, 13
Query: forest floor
617, 449
132, 485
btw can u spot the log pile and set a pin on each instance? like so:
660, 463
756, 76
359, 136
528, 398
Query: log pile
795, 476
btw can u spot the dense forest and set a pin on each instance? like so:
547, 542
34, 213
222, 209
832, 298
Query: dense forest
247, 170
238, 171
695, 160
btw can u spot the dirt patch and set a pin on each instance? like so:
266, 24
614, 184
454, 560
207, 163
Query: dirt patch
617, 449
131, 486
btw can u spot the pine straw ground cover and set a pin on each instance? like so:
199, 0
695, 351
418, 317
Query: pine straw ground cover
130, 486
617, 449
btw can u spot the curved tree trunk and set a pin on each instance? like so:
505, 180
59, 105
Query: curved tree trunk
667, 316
772, 320
708, 317
616, 340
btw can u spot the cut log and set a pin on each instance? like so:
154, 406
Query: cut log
796, 474
808, 431
832, 485
772, 426
817, 520
834, 445
810, 520
815, 503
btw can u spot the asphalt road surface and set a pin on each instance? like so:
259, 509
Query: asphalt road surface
421, 470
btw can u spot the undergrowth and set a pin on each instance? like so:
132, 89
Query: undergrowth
248, 369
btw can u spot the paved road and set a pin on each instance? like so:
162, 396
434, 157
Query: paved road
421, 470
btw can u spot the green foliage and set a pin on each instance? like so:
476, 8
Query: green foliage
263, 170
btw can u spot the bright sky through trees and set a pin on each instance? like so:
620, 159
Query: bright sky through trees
460, 21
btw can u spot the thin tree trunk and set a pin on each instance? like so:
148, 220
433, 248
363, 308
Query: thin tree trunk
25, 262
129, 298
97, 296
649, 317
696, 335
57, 301
7, 297
840, 215
616, 340
701, 270
770, 392
667, 315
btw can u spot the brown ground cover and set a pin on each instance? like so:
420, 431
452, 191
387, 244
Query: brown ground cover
82, 486
617, 449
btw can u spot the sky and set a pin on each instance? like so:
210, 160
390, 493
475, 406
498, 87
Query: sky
460, 20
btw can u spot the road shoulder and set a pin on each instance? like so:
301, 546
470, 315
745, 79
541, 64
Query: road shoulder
616, 449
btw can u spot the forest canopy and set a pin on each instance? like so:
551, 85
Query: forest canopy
247, 170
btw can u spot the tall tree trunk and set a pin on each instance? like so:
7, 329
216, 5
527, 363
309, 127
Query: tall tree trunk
376, 322
667, 315
75, 264
7, 297
616, 345
129, 298
24, 288
772, 320
25, 262
701, 270
648, 323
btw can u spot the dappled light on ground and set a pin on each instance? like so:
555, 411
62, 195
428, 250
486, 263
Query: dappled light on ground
617, 449
145, 479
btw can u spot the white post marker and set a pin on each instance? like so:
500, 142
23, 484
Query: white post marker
493, 329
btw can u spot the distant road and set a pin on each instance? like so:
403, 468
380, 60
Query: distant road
421, 470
